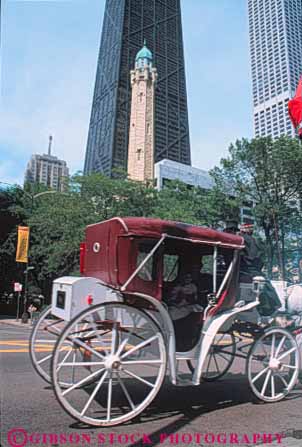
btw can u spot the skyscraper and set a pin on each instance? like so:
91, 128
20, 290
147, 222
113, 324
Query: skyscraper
141, 133
127, 23
275, 35
47, 170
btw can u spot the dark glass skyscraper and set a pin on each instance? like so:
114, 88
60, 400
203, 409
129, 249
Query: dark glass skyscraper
127, 23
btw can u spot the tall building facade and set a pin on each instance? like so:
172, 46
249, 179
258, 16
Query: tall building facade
47, 170
275, 35
141, 132
126, 24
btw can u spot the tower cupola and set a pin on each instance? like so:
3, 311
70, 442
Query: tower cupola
144, 57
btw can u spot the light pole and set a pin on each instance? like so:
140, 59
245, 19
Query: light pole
24, 317
32, 196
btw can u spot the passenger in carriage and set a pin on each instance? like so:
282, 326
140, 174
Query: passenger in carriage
186, 292
185, 313
182, 296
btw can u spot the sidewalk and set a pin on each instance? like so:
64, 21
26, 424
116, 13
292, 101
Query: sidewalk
13, 322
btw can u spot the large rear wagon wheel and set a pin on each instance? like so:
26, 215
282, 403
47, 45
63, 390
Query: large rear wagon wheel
124, 368
273, 365
219, 359
43, 338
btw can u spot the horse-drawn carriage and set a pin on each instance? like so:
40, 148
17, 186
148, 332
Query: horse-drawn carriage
154, 296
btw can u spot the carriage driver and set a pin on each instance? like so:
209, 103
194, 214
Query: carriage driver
251, 261
251, 264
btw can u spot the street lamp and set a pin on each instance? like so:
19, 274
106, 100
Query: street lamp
28, 194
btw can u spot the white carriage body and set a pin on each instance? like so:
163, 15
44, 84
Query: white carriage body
247, 295
71, 295
119, 320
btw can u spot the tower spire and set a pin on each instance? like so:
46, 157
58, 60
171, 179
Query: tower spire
49, 144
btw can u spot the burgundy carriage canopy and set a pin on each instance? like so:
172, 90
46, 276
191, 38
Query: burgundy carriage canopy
111, 252
155, 228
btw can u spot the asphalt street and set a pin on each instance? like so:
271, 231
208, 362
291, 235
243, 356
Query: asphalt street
224, 407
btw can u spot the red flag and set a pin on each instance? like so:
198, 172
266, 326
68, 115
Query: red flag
295, 106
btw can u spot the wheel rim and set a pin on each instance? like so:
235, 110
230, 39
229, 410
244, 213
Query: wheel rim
219, 359
124, 368
42, 341
273, 365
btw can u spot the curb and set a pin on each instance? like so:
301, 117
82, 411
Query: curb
16, 324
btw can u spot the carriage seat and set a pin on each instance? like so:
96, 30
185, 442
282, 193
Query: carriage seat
187, 331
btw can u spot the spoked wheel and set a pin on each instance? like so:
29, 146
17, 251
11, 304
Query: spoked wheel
124, 367
219, 359
42, 342
273, 365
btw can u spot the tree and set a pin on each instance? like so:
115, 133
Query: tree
58, 221
180, 202
12, 214
267, 173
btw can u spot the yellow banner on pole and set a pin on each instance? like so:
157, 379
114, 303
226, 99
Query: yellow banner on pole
23, 244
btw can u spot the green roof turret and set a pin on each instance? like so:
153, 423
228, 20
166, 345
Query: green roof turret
144, 53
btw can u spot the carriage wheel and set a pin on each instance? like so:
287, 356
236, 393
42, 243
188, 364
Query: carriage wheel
219, 359
299, 343
43, 338
42, 341
124, 369
273, 365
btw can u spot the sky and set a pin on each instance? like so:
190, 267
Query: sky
49, 52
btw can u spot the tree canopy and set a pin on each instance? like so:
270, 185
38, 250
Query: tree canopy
57, 221
266, 173
263, 172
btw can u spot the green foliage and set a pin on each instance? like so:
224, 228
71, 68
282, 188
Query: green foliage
57, 221
180, 202
261, 171
267, 173
12, 214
